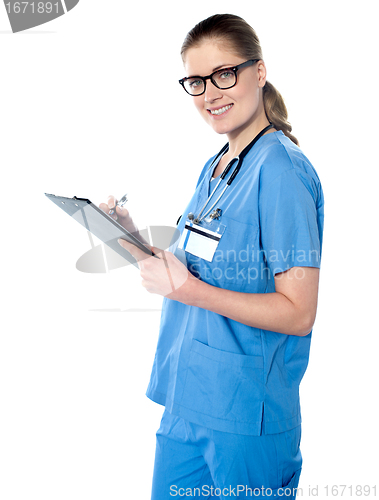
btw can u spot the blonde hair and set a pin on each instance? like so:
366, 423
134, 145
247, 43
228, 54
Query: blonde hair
243, 40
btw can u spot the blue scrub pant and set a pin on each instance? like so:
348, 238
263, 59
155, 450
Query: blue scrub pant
192, 461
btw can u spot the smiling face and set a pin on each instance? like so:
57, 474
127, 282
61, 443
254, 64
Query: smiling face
237, 111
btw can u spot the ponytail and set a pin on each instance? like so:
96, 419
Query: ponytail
276, 111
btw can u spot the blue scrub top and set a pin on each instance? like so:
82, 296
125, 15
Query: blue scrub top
217, 372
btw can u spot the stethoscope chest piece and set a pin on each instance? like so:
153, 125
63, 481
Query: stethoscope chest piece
216, 214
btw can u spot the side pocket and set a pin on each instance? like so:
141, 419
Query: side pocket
224, 385
287, 491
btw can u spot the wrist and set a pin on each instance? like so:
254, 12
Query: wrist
192, 291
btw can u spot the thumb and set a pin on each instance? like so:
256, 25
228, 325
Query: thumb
157, 251
136, 252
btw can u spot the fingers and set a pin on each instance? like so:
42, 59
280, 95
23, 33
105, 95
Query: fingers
136, 252
132, 249
157, 251
104, 207
123, 213
117, 212
156, 275
110, 206
107, 207
111, 201
165, 275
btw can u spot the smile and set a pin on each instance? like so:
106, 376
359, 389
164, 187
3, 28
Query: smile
220, 111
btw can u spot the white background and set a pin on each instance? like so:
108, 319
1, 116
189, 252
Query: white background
90, 106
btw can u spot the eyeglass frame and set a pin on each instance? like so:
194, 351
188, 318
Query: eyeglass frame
250, 62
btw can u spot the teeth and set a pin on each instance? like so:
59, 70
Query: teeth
221, 110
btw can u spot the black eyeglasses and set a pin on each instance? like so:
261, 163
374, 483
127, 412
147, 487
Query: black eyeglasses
223, 79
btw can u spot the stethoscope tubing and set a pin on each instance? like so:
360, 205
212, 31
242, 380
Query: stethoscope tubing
239, 159
222, 176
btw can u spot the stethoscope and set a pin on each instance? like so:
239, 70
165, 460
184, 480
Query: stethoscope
217, 212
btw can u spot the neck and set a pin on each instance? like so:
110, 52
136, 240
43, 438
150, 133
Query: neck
238, 141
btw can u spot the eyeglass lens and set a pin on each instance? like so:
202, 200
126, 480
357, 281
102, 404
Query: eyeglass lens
223, 79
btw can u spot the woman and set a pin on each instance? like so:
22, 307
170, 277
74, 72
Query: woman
241, 286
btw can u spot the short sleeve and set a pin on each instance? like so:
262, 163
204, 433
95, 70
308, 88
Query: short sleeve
291, 215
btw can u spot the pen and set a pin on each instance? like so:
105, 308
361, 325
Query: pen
119, 203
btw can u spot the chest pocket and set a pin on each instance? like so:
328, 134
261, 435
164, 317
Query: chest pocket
237, 263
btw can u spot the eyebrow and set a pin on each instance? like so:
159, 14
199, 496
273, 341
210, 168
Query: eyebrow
223, 66
215, 69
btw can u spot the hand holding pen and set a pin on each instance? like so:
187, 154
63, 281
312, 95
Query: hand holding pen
120, 203
116, 209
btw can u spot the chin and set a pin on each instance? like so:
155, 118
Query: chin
220, 128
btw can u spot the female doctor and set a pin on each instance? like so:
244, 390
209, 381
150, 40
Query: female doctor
240, 286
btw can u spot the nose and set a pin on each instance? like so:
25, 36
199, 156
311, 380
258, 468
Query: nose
212, 93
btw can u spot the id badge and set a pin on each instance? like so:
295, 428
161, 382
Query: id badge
201, 239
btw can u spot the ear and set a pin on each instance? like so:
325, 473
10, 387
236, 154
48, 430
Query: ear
262, 73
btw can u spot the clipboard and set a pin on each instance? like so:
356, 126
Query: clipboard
99, 224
